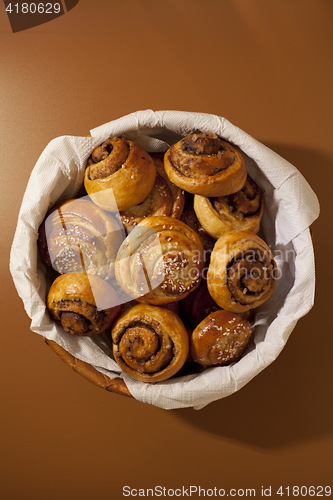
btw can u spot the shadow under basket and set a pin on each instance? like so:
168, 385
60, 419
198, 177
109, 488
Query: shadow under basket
116, 385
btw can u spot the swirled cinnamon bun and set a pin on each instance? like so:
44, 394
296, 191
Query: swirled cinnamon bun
204, 164
160, 261
158, 202
77, 236
150, 343
172, 306
220, 339
242, 272
238, 211
178, 194
119, 174
82, 303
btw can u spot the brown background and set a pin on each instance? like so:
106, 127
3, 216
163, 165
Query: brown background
266, 66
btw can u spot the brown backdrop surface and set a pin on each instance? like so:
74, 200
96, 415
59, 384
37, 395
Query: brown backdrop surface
266, 66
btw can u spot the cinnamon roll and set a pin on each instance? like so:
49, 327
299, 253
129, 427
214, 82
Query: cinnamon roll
172, 306
160, 261
119, 174
82, 303
220, 339
158, 202
150, 343
242, 272
77, 236
204, 164
239, 211
178, 194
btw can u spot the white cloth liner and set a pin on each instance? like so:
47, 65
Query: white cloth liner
291, 207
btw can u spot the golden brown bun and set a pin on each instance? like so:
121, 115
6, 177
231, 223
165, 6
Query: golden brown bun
77, 236
242, 272
123, 167
205, 164
178, 194
241, 211
82, 303
160, 261
172, 306
159, 202
220, 339
150, 343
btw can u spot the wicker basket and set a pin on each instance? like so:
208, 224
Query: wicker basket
116, 385
54, 176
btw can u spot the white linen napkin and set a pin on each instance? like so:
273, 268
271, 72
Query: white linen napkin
291, 207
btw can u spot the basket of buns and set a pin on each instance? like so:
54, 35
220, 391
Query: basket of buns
166, 257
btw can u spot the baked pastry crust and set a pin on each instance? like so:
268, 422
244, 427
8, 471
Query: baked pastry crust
240, 211
77, 236
160, 261
158, 202
219, 339
82, 303
242, 271
178, 194
205, 164
150, 343
119, 174
164, 199
155, 264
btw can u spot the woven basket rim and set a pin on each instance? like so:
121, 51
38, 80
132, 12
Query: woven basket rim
116, 385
